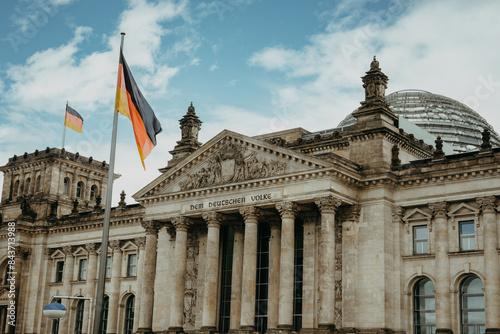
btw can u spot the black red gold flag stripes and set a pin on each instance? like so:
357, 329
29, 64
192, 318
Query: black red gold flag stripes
73, 119
131, 103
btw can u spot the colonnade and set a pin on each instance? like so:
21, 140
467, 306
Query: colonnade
243, 292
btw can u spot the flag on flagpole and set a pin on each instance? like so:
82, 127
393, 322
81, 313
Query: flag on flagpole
131, 103
73, 119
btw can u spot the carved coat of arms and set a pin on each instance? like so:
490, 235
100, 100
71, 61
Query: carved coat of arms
232, 163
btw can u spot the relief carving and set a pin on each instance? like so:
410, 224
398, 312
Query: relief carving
232, 163
190, 292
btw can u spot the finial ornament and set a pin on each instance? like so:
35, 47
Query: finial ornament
374, 65
486, 144
375, 84
438, 153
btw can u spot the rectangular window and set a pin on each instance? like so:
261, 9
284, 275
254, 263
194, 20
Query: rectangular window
298, 275
108, 267
227, 237
262, 283
59, 271
467, 235
82, 270
420, 240
132, 265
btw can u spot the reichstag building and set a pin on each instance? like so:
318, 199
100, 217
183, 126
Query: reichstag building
386, 224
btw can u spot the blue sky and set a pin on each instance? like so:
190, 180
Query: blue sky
251, 66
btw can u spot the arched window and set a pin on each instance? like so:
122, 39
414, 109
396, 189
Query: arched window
15, 191
66, 186
104, 315
79, 189
93, 191
55, 322
79, 317
38, 184
472, 306
27, 185
424, 307
129, 315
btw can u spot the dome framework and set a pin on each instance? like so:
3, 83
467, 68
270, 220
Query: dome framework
456, 123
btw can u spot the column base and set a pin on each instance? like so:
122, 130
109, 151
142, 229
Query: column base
174, 330
282, 329
326, 328
492, 331
208, 330
246, 330
145, 331
443, 331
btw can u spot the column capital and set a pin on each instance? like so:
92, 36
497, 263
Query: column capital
397, 214
250, 214
212, 218
287, 209
487, 204
49, 252
140, 242
310, 217
115, 245
181, 223
328, 204
274, 222
23, 252
171, 232
151, 226
439, 209
91, 248
67, 250
350, 213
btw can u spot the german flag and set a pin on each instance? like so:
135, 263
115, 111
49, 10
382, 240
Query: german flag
131, 103
73, 119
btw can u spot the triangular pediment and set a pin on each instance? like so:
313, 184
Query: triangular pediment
58, 254
230, 158
417, 214
463, 210
80, 251
128, 246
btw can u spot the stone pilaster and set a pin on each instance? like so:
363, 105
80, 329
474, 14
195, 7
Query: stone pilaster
287, 211
209, 320
247, 320
491, 270
273, 298
90, 284
309, 287
177, 304
328, 206
114, 295
69, 263
442, 274
234, 322
148, 277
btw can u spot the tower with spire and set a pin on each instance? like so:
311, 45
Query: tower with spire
190, 125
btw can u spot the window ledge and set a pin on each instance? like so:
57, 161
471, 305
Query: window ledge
418, 257
466, 253
128, 278
55, 283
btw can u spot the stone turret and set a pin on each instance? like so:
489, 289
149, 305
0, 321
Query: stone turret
374, 110
190, 126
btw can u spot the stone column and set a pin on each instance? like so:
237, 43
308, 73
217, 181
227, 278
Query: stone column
309, 287
148, 277
442, 274
234, 321
177, 304
491, 270
90, 285
328, 206
247, 320
114, 295
19, 276
287, 211
209, 319
69, 263
273, 298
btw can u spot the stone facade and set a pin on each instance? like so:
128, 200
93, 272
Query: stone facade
335, 231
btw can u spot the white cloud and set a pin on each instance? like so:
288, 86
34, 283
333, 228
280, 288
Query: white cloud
434, 45
214, 67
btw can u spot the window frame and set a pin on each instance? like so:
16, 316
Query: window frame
59, 272
108, 267
80, 307
103, 327
128, 324
93, 192
420, 241
418, 312
66, 186
130, 266
467, 237
82, 270
80, 187
463, 310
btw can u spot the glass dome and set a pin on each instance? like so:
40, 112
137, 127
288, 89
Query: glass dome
456, 124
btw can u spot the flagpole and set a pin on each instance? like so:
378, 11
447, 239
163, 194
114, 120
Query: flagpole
64, 124
107, 215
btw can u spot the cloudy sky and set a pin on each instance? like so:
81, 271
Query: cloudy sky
250, 66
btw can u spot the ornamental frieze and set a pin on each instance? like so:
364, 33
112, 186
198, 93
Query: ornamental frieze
232, 163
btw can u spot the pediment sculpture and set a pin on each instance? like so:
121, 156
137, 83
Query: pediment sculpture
232, 163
